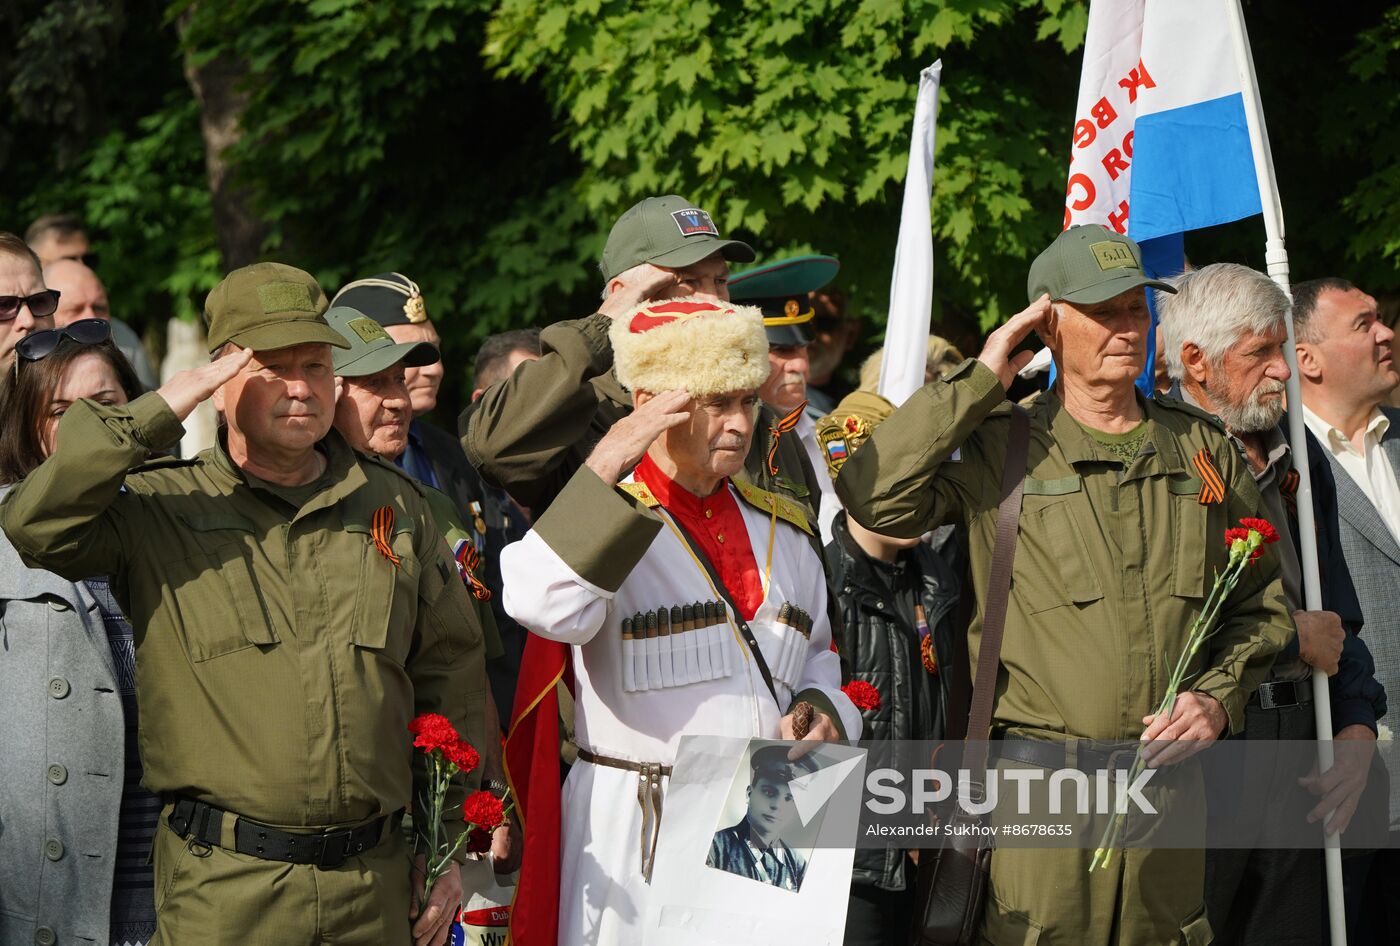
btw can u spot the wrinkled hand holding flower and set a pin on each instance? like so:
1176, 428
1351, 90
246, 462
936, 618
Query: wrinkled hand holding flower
1246, 544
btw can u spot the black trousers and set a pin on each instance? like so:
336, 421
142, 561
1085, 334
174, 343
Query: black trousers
878, 917
1264, 896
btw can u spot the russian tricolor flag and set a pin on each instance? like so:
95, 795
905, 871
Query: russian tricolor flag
1160, 144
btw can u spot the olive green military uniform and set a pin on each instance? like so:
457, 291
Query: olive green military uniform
280, 658
1113, 562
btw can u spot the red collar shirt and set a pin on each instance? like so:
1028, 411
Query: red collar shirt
716, 525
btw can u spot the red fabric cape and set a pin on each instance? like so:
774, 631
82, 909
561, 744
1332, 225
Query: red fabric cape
532, 770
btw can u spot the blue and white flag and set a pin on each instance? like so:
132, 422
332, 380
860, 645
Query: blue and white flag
1160, 142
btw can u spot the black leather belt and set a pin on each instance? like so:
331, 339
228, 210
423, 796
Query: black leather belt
1282, 693
326, 849
1058, 755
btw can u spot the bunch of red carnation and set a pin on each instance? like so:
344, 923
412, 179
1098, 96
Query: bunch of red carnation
862, 694
434, 733
449, 754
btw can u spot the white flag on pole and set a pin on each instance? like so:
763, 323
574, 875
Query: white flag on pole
911, 287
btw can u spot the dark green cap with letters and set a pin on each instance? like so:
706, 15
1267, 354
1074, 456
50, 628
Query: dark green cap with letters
370, 349
1088, 264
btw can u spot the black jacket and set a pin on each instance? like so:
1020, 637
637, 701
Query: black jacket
879, 643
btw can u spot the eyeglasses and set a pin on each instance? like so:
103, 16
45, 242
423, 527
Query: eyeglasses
87, 259
41, 305
43, 344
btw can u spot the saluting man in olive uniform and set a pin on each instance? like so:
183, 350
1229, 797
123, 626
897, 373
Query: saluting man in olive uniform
294, 606
531, 432
1121, 534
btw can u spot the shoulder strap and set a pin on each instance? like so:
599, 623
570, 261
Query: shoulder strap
744, 630
984, 687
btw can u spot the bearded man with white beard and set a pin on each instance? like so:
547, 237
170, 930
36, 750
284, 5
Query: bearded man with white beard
1223, 333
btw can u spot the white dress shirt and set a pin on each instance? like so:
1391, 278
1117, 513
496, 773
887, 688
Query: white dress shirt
1369, 467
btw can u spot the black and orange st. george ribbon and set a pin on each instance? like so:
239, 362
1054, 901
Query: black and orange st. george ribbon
787, 423
382, 531
1212, 483
469, 562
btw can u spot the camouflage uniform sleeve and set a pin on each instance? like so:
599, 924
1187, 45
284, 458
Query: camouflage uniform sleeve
66, 516
1255, 621
447, 664
898, 482
521, 431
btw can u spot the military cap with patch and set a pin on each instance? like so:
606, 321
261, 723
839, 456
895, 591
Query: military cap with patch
772, 763
266, 306
370, 349
670, 232
781, 290
1087, 264
388, 298
840, 433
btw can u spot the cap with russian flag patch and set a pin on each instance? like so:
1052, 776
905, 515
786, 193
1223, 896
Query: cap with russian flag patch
669, 232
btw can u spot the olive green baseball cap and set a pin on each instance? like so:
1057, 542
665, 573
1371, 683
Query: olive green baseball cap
369, 349
666, 231
266, 306
1088, 264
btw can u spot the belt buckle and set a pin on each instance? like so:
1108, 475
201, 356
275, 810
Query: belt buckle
1113, 754
344, 838
1267, 699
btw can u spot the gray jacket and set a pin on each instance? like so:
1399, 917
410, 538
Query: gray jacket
1373, 558
62, 757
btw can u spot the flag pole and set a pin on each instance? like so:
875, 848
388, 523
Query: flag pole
911, 285
1276, 257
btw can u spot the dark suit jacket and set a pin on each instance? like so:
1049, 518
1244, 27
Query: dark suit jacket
729, 851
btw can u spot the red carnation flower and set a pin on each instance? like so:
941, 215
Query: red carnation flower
484, 810
862, 694
433, 731
462, 755
1233, 535
1262, 526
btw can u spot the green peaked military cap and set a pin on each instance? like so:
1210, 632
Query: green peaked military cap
370, 349
1087, 264
780, 290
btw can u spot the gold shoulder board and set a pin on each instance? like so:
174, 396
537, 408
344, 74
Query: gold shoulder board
640, 493
785, 509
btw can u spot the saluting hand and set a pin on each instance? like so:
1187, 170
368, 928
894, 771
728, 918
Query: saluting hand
624, 445
997, 352
186, 390
640, 284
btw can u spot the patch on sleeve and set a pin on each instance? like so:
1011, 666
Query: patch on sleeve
694, 221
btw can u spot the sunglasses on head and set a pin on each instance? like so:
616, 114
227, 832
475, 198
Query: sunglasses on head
41, 345
41, 305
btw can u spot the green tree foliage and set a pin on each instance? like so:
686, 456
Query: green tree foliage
484, 147
790, 121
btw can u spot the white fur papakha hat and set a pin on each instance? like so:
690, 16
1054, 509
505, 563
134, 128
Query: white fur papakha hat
692, 344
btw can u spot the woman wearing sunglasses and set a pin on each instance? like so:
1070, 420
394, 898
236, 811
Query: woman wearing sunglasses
26, 306
77, 824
